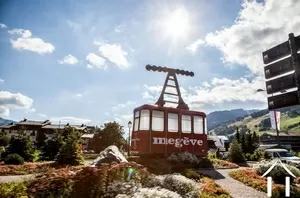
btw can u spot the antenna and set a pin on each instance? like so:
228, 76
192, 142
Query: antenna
171, 76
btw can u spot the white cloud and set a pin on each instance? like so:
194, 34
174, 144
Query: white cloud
69, 59
10, 100
95, 61
32, 110
119, 28
115, 54
73, 25
2, 26
1, 81
78, 95
42, 115
71, 120
194, 46
218, 91
26, 42
122, 106
258, 27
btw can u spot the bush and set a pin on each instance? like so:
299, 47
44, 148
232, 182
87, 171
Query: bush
256, 156
23, 146
184, 157
14, 159
13, 190
4, 140
278, 173
211, 189
224, 164
235, 153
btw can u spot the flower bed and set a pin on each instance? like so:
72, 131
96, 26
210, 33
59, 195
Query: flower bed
114, 180
29, 168
252, 179
219, 164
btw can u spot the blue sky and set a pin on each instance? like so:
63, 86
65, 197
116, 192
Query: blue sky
84, 61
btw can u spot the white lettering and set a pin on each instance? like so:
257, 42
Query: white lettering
200, 142
171, 141
193, 141
186, 141
179, 142
159, 140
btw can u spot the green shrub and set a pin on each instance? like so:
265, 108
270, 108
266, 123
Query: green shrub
23, 146
17, 190
4, 140
191, 174
278, 173
235, 153
14, 159
211, 156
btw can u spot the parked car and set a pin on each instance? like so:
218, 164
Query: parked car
284, 155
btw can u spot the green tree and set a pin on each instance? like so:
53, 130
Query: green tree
249, 143
50, 148
237, 135
243, 143
110, 134
255, 139
4, 140
70, 153
22, 145
235, 153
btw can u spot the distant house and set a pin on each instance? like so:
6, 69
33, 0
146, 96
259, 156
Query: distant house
40, 130
291, 141
86, 140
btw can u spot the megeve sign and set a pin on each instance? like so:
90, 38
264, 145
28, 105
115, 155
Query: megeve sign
178, 142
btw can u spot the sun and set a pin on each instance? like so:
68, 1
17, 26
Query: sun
177, 23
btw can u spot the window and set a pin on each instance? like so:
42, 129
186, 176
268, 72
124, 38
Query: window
198, 125
172, 122
186, 124
136, 120
145, 120
157, 120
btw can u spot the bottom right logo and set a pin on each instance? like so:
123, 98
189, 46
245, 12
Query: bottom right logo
287, 179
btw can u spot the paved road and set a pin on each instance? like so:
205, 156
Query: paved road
234, 187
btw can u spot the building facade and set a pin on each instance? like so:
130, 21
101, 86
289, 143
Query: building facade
291, 141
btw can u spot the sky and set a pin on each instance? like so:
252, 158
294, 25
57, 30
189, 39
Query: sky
84, 61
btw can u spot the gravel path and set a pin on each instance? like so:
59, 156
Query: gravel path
16, 178
234, 187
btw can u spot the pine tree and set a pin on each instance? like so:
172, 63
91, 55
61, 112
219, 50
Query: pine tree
235, 153
70, 152
243, 143
255, 139
249, 143
237, 135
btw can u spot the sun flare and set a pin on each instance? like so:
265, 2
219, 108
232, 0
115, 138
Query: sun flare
177, 23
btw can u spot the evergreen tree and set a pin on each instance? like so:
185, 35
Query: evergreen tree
243, 143
70, 152
249, 143
237, 135
235, 153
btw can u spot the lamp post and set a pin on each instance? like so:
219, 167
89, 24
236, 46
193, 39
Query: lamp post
275, 117
129, 128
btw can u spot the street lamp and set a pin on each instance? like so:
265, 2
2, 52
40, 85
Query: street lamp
275, 117
129, 127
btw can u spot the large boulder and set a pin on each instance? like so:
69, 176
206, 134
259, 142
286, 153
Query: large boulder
108, 155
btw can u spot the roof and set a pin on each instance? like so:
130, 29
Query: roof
282, 134
7, 126
53, 126
33, 123
276, 150
169, 109
87, 136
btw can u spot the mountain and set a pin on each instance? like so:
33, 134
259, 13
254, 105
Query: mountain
5, 122
217, 118
259, 121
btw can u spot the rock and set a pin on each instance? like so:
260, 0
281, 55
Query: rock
108, 155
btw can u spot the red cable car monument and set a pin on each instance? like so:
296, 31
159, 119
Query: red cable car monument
158, 129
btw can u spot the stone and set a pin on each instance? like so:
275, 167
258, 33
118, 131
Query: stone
108, 155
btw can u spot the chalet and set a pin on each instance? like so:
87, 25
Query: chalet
40, 130
291, 141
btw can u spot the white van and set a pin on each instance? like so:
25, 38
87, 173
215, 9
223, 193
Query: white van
284, 155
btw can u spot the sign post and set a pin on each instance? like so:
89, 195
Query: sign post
282, 73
